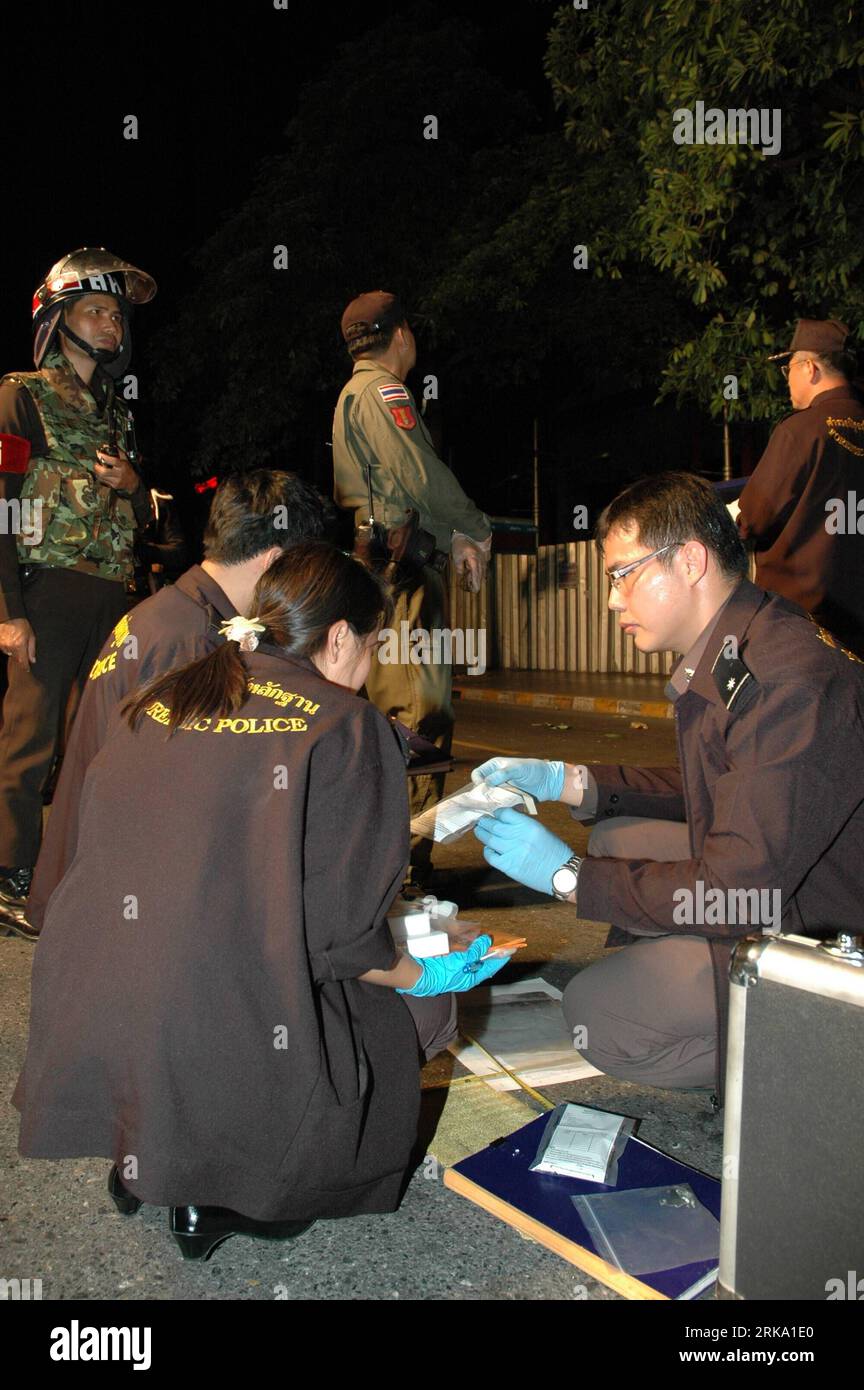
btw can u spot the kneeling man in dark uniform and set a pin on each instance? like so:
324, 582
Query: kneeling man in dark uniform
759, 829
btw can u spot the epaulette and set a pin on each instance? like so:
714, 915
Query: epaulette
831, 641
730, 676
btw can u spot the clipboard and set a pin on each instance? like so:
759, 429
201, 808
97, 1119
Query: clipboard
538, 1205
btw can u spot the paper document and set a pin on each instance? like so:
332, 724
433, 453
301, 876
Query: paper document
522, 1025
454, 815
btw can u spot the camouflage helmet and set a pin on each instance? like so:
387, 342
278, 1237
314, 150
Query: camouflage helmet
89, 270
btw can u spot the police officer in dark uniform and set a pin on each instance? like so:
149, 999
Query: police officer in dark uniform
760, 829
796, 510
67, 480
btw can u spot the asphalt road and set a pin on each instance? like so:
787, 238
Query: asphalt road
57, 1223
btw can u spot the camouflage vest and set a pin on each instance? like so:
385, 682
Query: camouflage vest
84, 524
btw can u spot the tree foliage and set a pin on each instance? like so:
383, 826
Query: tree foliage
360, 200
475, 229
752, 241
699, 256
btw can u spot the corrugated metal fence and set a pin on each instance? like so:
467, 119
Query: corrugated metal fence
548, 612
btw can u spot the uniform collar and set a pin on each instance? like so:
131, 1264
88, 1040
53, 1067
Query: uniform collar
846, 392
58, 371
366, 364
199, 585
303, 662
732, 620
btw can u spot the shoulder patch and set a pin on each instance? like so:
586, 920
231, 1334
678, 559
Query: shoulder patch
839, 431
404, 416
394, 393
730, 677
14, 453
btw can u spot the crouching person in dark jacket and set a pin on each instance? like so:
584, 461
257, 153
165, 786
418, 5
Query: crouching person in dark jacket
759, 829
217, 1004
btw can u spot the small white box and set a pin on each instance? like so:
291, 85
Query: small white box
411, 924
413, 931
434, 943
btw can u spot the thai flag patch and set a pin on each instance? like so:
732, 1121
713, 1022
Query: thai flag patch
393, 395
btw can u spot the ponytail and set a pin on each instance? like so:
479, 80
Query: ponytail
296, 601
214, 684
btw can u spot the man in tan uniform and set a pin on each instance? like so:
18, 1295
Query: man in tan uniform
383, 458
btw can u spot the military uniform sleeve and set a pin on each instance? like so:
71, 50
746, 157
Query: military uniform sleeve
777, 482
406, 453
20, 420
784, 800
356, 846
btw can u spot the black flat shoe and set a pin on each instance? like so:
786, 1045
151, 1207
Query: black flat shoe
125, 1203
198, 1230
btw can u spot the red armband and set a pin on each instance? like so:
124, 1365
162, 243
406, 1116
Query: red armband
14, 453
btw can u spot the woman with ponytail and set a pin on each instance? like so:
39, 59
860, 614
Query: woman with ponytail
217, 1003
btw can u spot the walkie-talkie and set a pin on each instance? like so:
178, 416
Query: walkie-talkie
110, 448
130, 443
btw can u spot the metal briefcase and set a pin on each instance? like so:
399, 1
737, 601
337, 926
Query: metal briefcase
792, 1215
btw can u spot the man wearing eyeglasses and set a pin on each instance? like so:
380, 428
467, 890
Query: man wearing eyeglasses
760, 828
800, 509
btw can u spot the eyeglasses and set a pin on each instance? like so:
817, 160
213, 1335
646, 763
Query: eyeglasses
789, 365
615, 576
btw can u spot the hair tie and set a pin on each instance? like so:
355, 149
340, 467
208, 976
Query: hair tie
243, 631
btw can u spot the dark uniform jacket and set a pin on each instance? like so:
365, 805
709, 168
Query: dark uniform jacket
195, 1002
813, 457
173, 627
771, 784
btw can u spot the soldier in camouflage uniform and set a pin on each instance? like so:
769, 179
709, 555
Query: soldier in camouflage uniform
74, 505
380, 441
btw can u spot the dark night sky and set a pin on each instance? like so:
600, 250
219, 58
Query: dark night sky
213, 92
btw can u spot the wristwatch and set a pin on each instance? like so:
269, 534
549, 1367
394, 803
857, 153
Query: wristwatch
565, 879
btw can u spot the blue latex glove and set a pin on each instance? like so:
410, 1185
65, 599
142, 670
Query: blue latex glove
458, 971
521, 848
543, 780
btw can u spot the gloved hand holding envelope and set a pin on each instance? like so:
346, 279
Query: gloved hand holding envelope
459, 812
